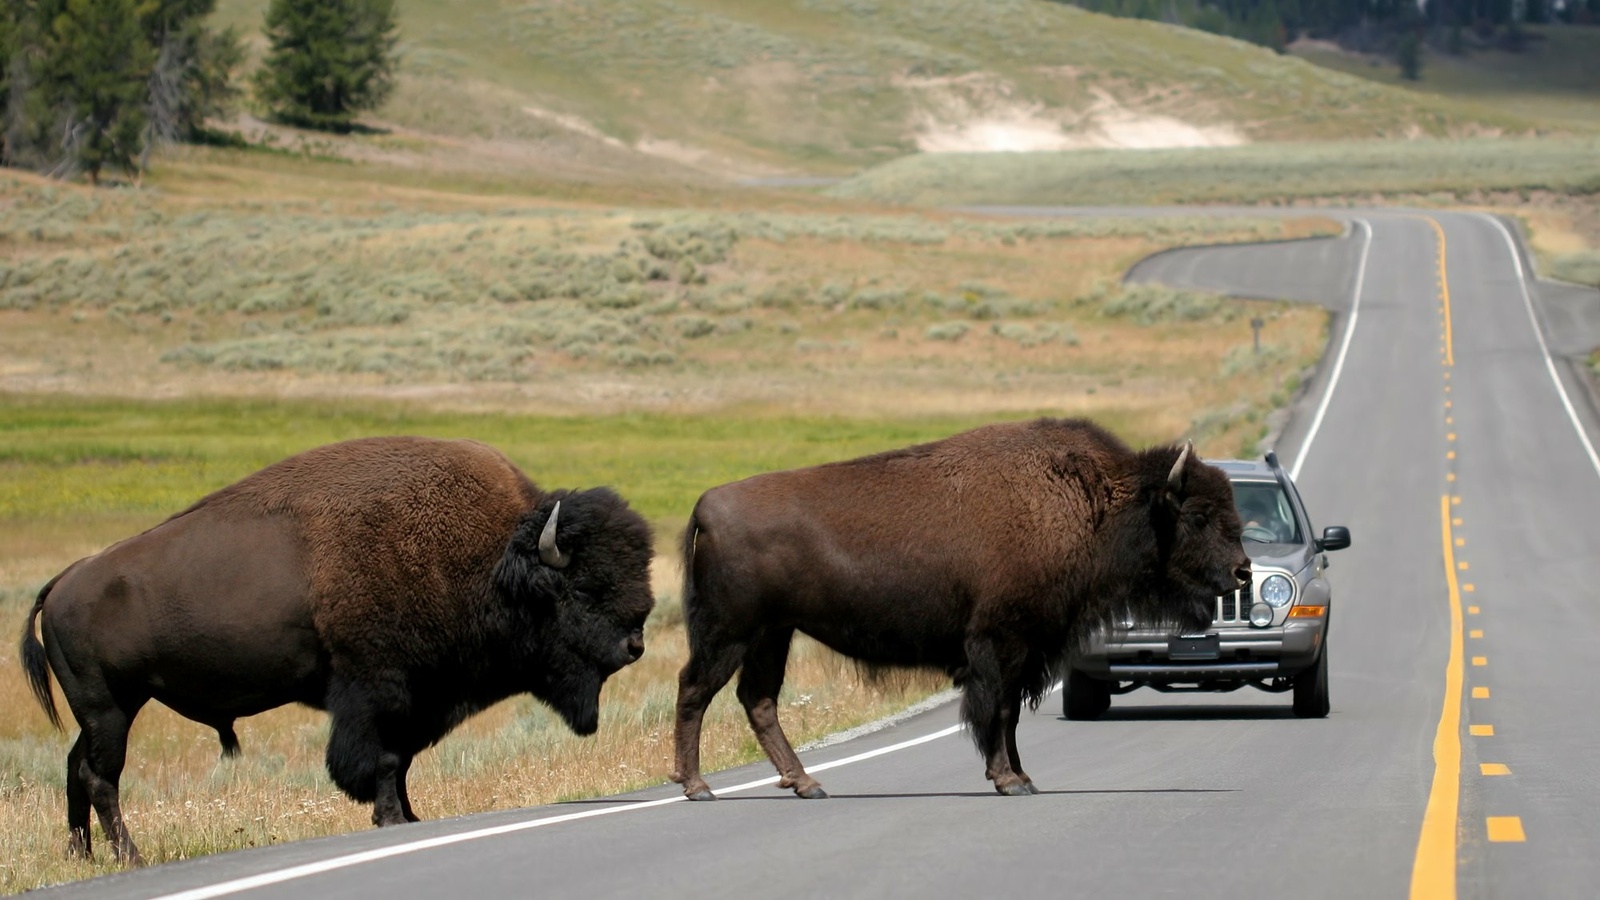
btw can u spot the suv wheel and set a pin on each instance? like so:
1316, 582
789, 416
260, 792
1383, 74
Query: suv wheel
1311, 689
1083, 697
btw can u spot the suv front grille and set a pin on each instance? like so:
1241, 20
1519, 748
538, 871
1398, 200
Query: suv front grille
1234, 608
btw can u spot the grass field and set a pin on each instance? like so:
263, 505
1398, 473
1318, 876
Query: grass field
76, 474
1434, 171
689, 338
338, 286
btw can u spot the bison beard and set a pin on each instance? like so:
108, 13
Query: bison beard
402, 584
989, 555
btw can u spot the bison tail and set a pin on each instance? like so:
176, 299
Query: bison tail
690, 533
34, 662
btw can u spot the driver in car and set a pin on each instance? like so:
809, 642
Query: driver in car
1260, 519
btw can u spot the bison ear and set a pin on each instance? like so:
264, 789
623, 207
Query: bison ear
523, 576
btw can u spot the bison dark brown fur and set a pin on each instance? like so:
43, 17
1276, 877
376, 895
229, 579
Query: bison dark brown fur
987, 555
400, 583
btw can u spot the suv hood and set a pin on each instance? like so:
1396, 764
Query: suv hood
1285, 556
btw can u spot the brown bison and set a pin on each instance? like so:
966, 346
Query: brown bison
400, 583
987, 554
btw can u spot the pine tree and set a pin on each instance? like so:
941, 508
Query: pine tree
327, 60
92, 77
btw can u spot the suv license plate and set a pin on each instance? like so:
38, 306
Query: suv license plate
1194, 648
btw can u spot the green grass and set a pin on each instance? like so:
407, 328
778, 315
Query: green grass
67, 459
1578, 268
1261, 172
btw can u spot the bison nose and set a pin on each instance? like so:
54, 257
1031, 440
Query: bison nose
1242, 574
635, 648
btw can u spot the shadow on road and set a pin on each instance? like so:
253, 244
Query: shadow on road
1042, 793
1191, 713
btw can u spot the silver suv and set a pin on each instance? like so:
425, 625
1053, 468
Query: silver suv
1269, 635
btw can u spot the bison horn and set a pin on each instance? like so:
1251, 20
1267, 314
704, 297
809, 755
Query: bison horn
549, 553
1175, 479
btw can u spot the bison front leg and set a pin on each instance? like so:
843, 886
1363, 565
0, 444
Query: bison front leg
1013, 714
359, 759
388, 808
759, 683
400, 788
987, 704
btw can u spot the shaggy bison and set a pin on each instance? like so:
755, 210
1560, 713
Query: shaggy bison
400, 583
987, 554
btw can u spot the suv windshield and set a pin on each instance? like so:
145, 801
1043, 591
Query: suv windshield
1265, 513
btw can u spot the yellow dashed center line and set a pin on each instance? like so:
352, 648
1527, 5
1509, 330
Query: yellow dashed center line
1478, 731
1480, 693
1475, 633
1444, 293
1494, 769
1480, 660
1506, 829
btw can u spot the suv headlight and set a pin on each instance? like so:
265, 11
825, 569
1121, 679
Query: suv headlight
1276, 591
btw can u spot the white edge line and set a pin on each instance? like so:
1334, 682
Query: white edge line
1338, 364
1544, 348
267, 879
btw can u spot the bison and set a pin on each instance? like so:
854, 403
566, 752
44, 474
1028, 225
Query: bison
400, 583
989, 555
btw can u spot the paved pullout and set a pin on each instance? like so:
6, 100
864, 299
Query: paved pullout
1188, 795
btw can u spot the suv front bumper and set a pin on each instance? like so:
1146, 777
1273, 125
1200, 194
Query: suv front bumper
1244, 654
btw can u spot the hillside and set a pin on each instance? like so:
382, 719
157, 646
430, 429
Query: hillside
1555, 75
831, 86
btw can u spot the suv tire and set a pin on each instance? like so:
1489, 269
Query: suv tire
1311, 689
1084, 698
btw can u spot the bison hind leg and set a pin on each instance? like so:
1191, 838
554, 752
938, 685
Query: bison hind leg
759, 685
711, 663
79, 842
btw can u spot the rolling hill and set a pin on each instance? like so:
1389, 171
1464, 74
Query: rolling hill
831, 86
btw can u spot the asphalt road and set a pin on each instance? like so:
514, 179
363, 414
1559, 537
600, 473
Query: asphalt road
1444, 444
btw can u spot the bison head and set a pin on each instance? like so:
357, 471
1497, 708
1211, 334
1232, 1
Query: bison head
1171, 554
579, 565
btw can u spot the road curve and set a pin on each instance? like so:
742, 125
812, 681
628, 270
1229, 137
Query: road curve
1459, 455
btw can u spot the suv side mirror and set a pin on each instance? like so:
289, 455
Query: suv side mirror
1334, 537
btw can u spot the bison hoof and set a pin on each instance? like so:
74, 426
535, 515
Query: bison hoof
1032, 788
702, 794
815, 792
1015, 789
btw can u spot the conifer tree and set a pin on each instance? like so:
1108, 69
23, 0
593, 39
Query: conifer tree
91, 79
327, 60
